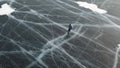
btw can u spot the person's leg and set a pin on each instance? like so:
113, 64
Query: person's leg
68, 31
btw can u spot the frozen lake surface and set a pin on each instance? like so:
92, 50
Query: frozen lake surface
33, 34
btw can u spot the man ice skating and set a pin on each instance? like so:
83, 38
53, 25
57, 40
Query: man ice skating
69, 28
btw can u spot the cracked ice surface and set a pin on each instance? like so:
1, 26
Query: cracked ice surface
35, 35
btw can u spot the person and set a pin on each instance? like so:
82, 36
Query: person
69, 28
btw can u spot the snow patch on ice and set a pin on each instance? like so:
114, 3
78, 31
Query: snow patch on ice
6, 9
92, 7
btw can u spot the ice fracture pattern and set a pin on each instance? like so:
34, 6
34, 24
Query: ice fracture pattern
35, 34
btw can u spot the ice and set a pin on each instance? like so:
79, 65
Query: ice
116, 57
34, 34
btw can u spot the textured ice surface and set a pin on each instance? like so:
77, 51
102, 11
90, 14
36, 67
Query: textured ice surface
35, 35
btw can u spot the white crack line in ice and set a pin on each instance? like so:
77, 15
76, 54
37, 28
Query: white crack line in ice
116, 57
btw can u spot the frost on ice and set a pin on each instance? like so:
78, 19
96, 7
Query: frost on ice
92, 7
118, 45
6, 9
